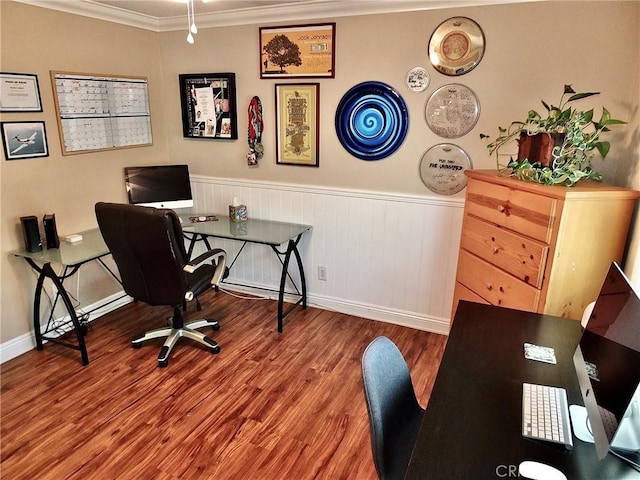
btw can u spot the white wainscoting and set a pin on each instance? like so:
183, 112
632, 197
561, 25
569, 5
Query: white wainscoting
388, 257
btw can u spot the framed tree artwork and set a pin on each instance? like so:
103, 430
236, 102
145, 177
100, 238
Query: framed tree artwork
298, 51
297, 124
209, 106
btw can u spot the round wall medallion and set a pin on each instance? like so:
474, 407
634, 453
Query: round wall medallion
456, 46
452, 110
442, 168
372, 120
418, 79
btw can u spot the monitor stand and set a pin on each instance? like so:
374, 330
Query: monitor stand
626, 443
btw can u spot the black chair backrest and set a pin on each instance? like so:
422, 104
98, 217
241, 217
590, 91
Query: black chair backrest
394, 412
147, 245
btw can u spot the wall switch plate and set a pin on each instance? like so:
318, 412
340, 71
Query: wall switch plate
322, 273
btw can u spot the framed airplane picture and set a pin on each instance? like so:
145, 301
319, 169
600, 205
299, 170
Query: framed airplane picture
24, 140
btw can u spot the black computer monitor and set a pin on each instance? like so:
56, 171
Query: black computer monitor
161, 186
607, 362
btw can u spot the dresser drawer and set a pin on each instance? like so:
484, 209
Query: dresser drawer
524, 212
494, 285
518, 255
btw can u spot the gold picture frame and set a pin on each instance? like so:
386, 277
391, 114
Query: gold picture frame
297, 124
298, 51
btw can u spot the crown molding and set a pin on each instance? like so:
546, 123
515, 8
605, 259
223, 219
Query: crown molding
312, 9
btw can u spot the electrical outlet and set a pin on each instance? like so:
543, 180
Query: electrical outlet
322, 273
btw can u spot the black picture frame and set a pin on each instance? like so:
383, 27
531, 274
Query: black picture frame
19, 92
24, 140
208, 102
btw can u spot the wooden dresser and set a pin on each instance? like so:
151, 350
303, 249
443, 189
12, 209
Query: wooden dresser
539, 248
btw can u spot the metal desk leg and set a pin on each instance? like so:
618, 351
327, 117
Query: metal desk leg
46, 271
292, 247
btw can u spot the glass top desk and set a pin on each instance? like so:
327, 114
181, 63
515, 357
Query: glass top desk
266, 232
92, 247
71, 256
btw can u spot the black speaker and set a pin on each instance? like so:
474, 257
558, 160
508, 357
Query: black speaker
31, 232
51, 231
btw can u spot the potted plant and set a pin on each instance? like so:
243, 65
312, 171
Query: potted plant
555, 149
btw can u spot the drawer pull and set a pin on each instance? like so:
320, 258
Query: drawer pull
503, 209
495, 250
489, 287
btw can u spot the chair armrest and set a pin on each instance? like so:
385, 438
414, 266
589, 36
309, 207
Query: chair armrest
221, 263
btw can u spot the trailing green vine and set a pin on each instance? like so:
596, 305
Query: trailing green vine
570, 160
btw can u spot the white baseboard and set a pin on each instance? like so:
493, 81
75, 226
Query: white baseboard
26, 342
372, 312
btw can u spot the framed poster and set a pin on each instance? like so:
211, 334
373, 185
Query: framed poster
209, 106
24, 140
19, 92
298, 51
297, 124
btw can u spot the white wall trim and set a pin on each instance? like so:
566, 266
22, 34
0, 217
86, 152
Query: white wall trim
451, 201
26, 342
285, 12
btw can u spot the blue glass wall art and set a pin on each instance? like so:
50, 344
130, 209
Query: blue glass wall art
372, 120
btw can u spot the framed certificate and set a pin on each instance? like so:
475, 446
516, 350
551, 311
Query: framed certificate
19, 92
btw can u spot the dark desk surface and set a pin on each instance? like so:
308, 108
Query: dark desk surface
472, 426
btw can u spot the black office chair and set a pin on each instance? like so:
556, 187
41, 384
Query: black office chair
147, 245
394, 412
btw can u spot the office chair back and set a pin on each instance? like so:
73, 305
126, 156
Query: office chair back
394, 412
147, 245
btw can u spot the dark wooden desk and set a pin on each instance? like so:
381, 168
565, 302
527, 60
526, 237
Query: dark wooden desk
471, 429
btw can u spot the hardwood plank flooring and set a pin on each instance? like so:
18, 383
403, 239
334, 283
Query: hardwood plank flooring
269, 406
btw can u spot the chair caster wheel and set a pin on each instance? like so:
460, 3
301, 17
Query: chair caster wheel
215, 349
215, 327
163, 363
136, 345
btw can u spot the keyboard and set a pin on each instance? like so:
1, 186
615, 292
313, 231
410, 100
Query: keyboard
545, 414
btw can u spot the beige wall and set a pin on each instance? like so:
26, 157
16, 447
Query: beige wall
532, 51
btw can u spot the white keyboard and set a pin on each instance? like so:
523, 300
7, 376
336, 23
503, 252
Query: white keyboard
545, 414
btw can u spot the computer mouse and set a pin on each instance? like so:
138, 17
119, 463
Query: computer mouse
540, 471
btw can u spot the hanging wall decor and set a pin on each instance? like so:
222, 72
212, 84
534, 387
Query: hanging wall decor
298, 51
19, 92
209, 106
297, 124
452, 110
456, 46
372, 120
442, 168
24, 140
417, 79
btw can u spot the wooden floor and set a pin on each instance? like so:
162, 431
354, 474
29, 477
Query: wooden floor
269, 406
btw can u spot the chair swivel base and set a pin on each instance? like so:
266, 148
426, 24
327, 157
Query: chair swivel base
174, 334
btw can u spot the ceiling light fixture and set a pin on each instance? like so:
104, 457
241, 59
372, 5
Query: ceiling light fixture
191, 22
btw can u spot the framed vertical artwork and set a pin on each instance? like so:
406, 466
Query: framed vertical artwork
298, 51
297, 124
209, 105
24, 140
19, 92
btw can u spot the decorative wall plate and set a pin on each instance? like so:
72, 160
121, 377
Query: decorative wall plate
372, 120
442, 168
418, 79
456, 46
452, 110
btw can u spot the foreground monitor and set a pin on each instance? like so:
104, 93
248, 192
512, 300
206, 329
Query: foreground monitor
161, 186
607, 362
